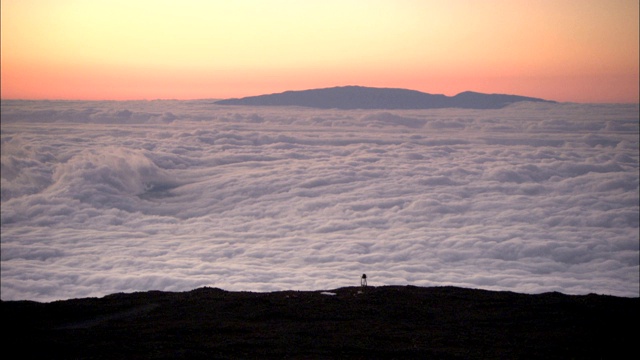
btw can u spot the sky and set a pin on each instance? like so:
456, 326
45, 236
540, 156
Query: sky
563, 50
102, 197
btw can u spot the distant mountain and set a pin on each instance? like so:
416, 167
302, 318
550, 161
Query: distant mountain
359, 97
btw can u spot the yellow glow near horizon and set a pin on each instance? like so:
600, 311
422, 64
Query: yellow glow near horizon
566, 50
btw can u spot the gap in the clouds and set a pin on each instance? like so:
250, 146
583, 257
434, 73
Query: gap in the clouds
157, 191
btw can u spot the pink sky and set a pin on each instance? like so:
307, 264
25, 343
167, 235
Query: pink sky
564, 50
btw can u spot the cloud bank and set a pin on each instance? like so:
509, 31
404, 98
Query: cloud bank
105, 197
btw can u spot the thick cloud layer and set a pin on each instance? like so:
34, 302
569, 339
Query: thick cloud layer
105, 197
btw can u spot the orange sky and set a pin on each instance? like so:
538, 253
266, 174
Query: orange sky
564, 50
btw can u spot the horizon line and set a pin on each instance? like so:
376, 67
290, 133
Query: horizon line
308, 89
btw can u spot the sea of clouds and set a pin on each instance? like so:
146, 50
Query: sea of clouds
106, 197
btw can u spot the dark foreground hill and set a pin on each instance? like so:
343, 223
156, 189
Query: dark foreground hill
359, 97
378, 322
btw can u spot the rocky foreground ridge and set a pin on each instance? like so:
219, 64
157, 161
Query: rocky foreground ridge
347, 323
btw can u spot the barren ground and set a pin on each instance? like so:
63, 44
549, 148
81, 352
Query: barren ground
376, 322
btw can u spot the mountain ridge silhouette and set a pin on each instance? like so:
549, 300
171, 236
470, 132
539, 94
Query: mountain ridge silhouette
361, 97
358, 322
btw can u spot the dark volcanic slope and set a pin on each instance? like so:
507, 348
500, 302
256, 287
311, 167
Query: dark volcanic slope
380, 322
358, 97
